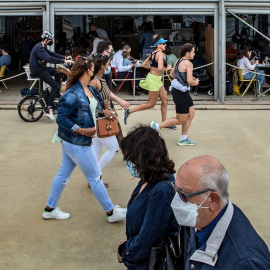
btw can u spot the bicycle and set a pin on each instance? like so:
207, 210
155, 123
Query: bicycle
32, 107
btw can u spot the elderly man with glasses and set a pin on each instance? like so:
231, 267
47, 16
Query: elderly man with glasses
223, 237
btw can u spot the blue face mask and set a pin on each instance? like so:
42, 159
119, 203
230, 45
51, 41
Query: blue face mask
131, 168
108, 70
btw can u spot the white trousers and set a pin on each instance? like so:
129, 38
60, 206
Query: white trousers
112, 147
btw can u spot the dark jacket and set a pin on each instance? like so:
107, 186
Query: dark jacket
147, 221
40, 53
74, 112
241, 249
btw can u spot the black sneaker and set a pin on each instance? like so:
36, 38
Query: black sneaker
138, 88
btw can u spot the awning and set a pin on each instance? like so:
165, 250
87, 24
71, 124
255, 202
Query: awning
131, 8
21, 8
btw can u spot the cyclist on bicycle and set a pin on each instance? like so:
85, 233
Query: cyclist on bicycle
39, 57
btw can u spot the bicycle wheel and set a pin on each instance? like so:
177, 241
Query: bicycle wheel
31, 109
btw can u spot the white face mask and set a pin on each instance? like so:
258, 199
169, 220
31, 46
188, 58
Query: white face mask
186, 213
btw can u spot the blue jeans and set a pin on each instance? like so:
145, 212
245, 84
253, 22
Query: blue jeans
84, 157
46, 76
259, 76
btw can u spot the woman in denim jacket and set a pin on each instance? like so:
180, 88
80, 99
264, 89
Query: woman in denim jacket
76, 128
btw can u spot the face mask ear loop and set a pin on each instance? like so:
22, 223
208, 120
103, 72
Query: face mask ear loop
200, 206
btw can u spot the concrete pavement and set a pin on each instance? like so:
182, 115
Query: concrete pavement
29, 161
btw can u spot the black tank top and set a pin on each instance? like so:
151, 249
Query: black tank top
180, 76
153, 61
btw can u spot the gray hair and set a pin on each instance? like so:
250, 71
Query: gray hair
216, 178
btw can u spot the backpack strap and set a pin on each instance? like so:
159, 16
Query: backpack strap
152, 190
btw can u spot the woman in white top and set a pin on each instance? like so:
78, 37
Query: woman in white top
244, 62
102, 66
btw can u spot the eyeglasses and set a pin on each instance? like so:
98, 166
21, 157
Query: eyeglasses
184, 197
101, 56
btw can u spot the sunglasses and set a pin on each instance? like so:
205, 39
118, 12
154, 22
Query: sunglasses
101, 56
184, 197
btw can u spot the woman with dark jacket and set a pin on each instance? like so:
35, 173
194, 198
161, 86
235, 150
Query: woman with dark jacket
76, 128
149, 216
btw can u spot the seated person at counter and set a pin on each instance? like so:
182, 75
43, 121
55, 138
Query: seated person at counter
25, 46
264, 49
171, 58
102, 34
5, 59
94, 36
231, 52
78, 51
126, 61
122, 71
105, 48
244, 63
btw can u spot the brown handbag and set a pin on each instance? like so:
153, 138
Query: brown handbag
107, 128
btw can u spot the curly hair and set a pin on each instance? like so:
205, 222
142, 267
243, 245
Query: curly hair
147, 150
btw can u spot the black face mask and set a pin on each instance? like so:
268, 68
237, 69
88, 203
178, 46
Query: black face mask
50, 43
92, 77
111, 54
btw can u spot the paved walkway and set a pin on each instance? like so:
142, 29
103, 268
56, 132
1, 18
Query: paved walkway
29, 161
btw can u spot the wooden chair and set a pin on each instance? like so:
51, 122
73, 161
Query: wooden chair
119, 83
2, 71
253, 80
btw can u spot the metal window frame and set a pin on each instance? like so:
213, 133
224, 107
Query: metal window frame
143, 8
250, 26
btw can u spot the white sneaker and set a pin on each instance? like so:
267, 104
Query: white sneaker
118, 214
56, 213
49, 113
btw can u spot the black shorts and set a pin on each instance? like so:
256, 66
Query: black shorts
182, 100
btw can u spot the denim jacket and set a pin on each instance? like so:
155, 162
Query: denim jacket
74, 112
